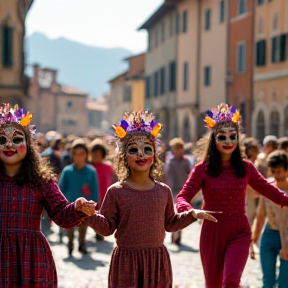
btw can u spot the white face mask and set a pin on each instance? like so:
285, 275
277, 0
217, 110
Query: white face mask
11, 138
140, 147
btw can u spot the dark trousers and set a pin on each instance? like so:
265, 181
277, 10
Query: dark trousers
224, 249
82, 234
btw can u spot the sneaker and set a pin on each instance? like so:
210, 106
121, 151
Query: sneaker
82, 250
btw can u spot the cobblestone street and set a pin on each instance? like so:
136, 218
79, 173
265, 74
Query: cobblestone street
90, 271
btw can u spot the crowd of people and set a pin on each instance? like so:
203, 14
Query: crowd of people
234, 187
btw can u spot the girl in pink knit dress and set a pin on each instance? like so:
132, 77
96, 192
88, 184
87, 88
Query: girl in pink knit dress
140, 209
26, 188
223, 177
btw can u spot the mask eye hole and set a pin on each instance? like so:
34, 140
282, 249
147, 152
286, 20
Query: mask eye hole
233, 137
17, 140
133, 151
148, 151
221, 138
3, 140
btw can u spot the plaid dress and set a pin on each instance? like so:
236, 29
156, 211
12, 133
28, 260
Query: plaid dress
140, 219
25, 256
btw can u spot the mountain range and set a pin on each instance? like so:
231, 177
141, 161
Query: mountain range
80, 66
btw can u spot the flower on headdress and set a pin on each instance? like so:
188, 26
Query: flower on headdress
223, 113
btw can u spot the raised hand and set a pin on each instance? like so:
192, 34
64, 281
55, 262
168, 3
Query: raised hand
205, 215
87, 207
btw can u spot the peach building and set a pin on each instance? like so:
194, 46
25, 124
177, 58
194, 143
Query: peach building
55, 106
270, 114
127, 90
13, 82
241, 59
161, 67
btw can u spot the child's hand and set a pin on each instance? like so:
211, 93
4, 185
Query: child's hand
284, 254
87, 207
202, 214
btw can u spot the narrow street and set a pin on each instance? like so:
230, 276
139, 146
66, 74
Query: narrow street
91, 271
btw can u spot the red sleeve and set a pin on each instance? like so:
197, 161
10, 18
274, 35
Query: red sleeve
176, 221
262, 186
105, 222
59, 209
190, 188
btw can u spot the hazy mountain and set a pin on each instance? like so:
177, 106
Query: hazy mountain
84, 67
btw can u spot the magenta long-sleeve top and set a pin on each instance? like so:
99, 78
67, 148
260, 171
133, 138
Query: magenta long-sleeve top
226, 192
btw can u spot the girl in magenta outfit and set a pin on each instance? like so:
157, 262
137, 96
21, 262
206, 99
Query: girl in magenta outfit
223, 177
26, 187
140, 209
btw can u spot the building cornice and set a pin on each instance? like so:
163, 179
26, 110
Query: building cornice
258, 77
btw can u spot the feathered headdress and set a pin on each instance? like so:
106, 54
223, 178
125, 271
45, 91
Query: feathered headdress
133, 122
16, 115
222, 113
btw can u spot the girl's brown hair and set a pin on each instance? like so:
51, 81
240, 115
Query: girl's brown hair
120, 164
33, 170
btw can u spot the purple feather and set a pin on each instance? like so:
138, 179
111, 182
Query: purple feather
124, 124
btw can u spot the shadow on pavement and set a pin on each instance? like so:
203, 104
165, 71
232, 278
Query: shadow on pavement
104, 247
86, 262
182, 247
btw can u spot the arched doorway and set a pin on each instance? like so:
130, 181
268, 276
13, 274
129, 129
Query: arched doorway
260, 129
274, 123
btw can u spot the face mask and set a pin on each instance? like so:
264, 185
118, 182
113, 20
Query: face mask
11, 138
226, 139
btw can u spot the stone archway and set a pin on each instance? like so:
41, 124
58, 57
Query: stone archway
260, 128
274, 121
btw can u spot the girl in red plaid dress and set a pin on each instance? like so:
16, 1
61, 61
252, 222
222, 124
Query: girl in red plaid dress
26, 188
140, 209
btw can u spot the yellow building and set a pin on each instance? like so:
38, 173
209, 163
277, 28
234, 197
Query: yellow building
271, 71
127, 90
13, 82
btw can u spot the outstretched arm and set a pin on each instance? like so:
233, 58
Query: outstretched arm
59, 209
260, 184
190, 189
105, 221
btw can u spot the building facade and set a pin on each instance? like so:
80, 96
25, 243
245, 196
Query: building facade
55, 106
270, 114
241, 59
13, 82
127, 90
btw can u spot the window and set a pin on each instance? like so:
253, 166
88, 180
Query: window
185, 20
283, 48
242, 6
7, 48
156, 84
171, 30
207, 19
162, 81
127, 94
69, 104
222, 11
177, 23
261, 53
260, 2
186, 76
275, 49
163, 31
207, 76
172, 76
241, 57
148, 87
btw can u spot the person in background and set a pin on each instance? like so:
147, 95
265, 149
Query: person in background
79, 180
252, 149
274, 240
283, 144
178, 170
104, 171
269, 145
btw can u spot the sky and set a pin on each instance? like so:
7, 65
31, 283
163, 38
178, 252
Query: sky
101, 23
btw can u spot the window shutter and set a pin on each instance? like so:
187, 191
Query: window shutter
273, 50
282, 48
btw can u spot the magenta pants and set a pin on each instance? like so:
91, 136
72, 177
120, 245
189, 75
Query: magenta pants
224, 249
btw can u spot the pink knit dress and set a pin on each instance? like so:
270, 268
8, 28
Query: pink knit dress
140, 219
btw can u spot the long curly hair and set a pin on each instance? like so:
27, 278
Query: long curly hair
120, 164
212, 157
33, 170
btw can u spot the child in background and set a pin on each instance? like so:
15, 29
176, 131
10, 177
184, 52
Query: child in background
140, 209
104, 171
